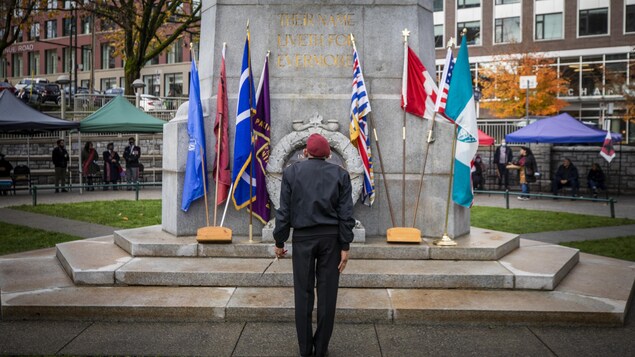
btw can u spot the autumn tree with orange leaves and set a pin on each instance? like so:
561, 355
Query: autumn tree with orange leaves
501, 90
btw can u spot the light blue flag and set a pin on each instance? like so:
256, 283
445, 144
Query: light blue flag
243, 140
196, 166
460, 107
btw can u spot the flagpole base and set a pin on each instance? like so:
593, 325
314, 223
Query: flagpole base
445, 241
214, 234
251, 233
403, 235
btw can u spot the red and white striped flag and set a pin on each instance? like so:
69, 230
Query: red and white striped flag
444, 85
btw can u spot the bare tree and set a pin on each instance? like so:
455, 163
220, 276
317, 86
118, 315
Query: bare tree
142, 29
16, 16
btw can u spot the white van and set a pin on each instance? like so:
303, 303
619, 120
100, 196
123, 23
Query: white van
26, 81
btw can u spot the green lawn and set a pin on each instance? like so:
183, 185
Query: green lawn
15, 239
521, 221
620, 248
119, 214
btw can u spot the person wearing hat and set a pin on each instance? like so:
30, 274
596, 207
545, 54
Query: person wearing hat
316, 201
5, 174
527, 171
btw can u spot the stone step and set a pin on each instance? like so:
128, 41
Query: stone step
100, 262
480, 244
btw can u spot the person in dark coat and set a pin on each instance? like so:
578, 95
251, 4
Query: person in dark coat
111, 166
131, 154
315, 200
90, 167
477, 173
566, 176
5, 174
503, 156
595, 179
60, 161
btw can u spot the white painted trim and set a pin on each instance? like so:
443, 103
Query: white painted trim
608, 20
473, 14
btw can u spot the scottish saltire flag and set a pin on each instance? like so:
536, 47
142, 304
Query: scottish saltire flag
444, 85
460, 108
243, 140
359, 133
607, 151
262, 132
196, 166
418, 90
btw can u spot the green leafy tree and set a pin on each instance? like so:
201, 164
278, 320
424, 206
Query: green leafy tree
144, 28
502, 92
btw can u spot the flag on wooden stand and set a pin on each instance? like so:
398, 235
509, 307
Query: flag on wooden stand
359, 133
220, 131
262, 132
608, 152
243, 142
418, 90
461, 108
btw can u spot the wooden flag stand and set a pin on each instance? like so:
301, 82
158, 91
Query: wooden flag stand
212, 234
404, 234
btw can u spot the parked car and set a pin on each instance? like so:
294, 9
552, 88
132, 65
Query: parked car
113, 92
8, 87
29, 93
49, 93
26, 81
149, 103
526, 121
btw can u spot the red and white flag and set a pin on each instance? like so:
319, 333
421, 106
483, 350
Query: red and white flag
418, 90
608, 152
220, 132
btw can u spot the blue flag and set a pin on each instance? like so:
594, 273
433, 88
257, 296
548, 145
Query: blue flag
196, 167
243, 140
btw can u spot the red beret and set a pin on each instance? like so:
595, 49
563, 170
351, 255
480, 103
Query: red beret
318, 146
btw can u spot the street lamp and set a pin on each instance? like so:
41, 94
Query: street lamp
62, 81
137, 85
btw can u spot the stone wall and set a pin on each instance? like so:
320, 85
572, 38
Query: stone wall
620, 175
40, 148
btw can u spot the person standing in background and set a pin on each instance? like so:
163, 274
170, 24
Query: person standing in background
131, 154
90, 168
111, 166
60, 161
527, 171
503, 157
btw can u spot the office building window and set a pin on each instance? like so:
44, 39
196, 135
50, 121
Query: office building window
50, 61
87, 25
473, 31
107, 56
51, 29
438, 36
437, 5
34, 63
16, 65
122, 82
630, 18
51, 5
67, 27
153, 61
84, 83
87, 58
153, 85
175, 54
34, 31
507, 30
503, 2
549, 26
107, 83
593, 22
465, 4
19, 37
173, 84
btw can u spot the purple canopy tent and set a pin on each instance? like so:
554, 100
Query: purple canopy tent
559, 129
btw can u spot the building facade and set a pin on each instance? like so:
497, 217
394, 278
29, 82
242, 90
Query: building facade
50, 48
592, 43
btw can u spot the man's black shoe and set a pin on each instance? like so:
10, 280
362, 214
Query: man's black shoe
64, 191
57, 190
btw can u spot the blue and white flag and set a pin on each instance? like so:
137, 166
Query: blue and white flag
359, 133
460, 107
243, 140
196, 166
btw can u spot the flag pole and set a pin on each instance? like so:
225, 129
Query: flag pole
219, 139
253, 154
446, 240
429, 141
405, 34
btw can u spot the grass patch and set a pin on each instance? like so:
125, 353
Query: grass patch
620, 248
521, 221
118, 214
15, 239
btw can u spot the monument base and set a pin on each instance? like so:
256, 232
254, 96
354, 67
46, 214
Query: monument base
214, 234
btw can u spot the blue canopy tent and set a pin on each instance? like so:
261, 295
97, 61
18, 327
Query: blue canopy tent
559, 129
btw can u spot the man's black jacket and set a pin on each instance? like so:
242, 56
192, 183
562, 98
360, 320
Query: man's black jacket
315, 199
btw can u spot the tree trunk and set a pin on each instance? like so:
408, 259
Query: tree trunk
132, 72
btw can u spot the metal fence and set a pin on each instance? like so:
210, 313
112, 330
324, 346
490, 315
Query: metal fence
498, 128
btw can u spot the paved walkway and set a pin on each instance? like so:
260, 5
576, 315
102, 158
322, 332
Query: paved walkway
278, 339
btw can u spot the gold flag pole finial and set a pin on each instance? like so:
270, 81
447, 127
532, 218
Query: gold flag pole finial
451, 41
352, 38
268, 53
464, 32
405, 33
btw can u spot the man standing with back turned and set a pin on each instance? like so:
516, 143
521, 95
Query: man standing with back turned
316, 201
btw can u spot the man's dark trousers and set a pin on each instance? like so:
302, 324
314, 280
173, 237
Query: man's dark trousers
503, 178
315, 257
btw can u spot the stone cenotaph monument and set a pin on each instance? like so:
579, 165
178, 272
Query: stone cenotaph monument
311, 74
